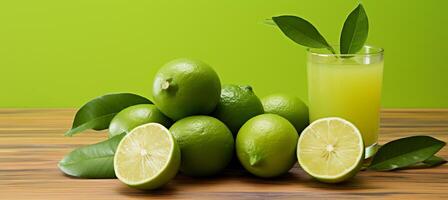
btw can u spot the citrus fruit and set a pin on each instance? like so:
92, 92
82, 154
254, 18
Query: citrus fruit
134, 116
266, 145
186, 87
147, 158
331, 150
289, 107
206, 145
237, 105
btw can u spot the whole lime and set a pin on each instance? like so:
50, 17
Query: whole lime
237, 105
266, 145
134, 116
186, 87
289, 107
206, 145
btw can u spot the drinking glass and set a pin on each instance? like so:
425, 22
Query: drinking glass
347, 86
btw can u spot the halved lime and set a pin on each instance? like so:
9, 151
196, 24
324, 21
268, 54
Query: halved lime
147, 158
331, 150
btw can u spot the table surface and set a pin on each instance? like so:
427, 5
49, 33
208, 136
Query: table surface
32, 143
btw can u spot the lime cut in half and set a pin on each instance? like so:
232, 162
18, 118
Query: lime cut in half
331, 150
147, 158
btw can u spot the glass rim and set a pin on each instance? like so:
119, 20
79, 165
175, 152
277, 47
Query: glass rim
377, 51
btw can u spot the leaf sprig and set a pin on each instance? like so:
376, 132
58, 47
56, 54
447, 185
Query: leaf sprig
96, 160
414, 151
353, 36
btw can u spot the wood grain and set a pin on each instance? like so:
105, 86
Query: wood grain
32, 142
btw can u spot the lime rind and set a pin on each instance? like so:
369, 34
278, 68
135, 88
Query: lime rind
163, 174
343, 175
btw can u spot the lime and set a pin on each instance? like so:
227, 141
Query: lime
266, 145
186, 87
237, 105
206, 145
331, 150
134, 116
289, 107
147, 158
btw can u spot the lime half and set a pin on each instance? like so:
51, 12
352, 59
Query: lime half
331, 150
147, 158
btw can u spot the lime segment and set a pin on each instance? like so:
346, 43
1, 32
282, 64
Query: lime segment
147, 158
331, 150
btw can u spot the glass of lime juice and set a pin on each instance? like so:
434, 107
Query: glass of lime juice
347, 86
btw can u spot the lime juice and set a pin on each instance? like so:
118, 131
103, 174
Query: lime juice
347, 86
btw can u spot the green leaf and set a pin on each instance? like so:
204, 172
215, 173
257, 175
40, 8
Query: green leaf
355, 31
92, 161
301, 32
405, 152
97, 113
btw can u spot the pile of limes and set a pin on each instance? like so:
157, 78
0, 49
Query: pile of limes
197, 125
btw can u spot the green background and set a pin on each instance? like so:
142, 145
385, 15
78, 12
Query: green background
57, 53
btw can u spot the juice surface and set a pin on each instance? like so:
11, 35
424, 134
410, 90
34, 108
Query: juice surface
344, 88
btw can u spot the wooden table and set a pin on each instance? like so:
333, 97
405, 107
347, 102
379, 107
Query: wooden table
32, 142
